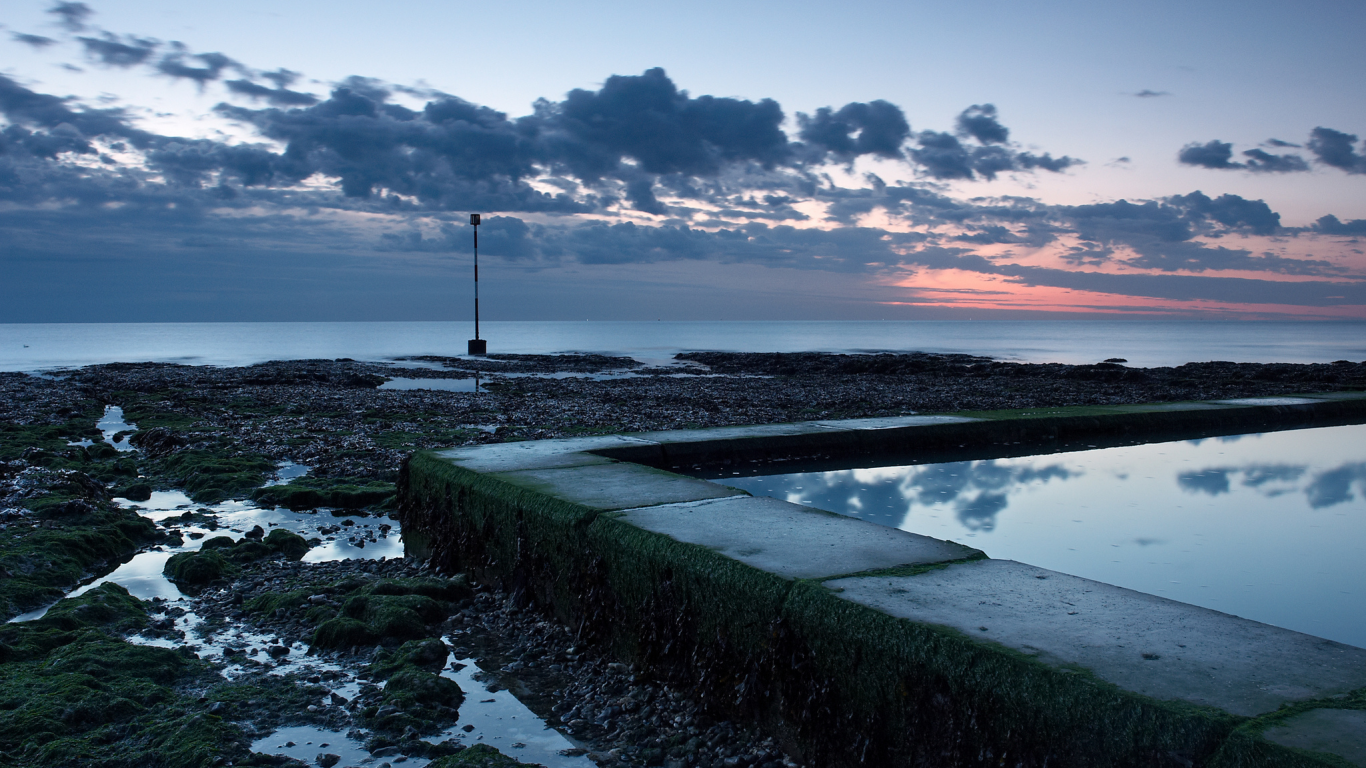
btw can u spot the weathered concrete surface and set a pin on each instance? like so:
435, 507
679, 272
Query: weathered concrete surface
793, 541
1268, 401
1142, 643
535, 454
615, 485
1340, 732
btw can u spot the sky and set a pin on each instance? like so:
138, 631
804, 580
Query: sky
166, 161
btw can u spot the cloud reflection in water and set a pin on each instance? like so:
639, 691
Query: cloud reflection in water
975, 491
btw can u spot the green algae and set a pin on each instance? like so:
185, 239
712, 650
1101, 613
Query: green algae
311, 493
1246, 747
73, 540
477, 756
220, 557
429, 654
209, 477
73, 692
363, 613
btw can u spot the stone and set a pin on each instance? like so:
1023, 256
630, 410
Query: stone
1203, 657
791, 540
1340, 732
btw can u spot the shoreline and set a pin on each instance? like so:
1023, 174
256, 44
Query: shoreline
220, 433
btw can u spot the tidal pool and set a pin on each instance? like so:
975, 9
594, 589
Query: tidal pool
1269, 526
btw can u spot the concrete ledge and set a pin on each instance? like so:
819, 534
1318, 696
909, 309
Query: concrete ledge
863, 645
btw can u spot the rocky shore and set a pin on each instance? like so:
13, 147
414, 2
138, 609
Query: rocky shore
222, 433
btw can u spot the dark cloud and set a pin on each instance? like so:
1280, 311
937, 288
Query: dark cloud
1230, 210
280, 96
943, 156
1281, 144
210, 66
875, 128
1147, 94
647, 119
1214, 154
1260, 161
980, 122
114, 51
1335, 148
71, 15
1218, 155
37, 41
1161, 234
1047, 162
283, 78
24, 107
1330, 225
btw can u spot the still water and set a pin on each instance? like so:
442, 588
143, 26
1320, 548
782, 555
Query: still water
1269, 527
42, 346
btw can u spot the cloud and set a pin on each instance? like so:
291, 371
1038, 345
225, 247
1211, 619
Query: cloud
1218, 155
1330, 225
1147, 94
25, 107
1214, 154
942, 156
211, 65
1335, 148
1280, 144
1264, 162
980, 122
72, 16
279, 96
114, 51
36, 41
647, 119
875, 128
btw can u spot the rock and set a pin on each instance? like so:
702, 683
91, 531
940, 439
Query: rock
327, 760
257, 533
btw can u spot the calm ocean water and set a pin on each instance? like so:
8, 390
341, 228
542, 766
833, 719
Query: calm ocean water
39, 346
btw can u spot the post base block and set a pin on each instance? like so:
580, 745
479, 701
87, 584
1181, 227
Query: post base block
479, 346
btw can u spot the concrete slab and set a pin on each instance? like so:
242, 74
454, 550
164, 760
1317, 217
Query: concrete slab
616, 485
793, 541
535, 454
1340, 396
672, 436
1340, 732
1164, 407
1142, 643
893, 422
1268, 401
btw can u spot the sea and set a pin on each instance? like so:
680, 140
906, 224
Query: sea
38, 347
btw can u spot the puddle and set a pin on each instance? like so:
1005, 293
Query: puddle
494, 718
288, 471
1264, 526
444, 385
111, 424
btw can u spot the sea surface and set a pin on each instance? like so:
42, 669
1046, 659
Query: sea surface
46, 346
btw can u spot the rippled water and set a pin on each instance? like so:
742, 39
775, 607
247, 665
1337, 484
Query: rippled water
1265, 526
39, 346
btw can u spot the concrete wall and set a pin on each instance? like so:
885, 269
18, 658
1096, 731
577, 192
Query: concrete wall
864, 645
